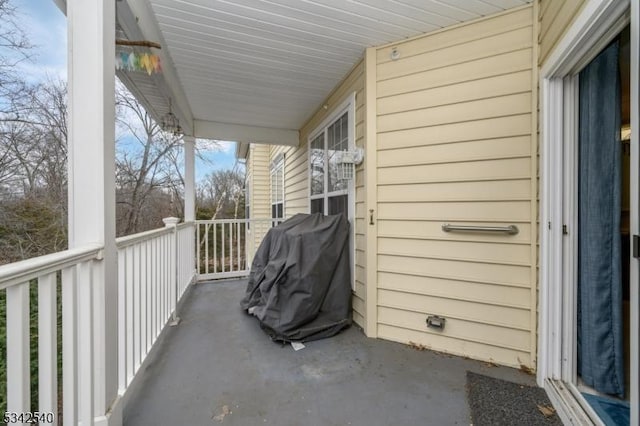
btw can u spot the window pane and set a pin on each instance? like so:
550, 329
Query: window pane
317, 205
317, 165
338, 205
274, 187
277, 182
338, 141
277, 211
280, 183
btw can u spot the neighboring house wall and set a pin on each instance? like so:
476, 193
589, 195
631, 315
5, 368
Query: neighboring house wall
456, 143
555, 17
296, 173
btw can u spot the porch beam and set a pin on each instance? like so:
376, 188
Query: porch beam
91, 103
241, 133
139, 22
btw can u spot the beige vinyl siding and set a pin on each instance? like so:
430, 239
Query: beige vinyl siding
455, 141
555, 17
296, 173
260, 203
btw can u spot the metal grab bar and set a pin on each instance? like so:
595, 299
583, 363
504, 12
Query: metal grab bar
511, 229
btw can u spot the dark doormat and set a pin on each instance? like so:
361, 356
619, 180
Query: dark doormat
494, 402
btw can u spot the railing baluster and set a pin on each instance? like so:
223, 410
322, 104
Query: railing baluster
69, 346
18, 359
167, 280
47, 345
230, 247
238, 244
130, 312
223, 248
158, 286
246, 241
197, 227
149, 287
144, 257
85, 343
122, 320
206, 247
171, 275
173, 261
136, 306
163, 285
215, 248
154, 288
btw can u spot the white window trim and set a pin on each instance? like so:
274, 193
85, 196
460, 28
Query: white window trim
278, 165
348, 106
598, 22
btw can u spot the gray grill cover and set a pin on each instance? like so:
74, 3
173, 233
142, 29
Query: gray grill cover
300, 280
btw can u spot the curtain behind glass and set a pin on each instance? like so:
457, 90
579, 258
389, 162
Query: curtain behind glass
600, 340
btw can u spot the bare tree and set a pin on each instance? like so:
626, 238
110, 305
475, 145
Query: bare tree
33, 209
144, 166
221, 193
14, 48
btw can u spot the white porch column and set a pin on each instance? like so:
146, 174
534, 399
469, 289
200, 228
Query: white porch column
91, 144
189, 178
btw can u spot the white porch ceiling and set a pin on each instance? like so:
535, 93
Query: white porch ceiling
270, 63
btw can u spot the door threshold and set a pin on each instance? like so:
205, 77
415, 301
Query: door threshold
571, 407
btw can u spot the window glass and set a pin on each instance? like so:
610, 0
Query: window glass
317, 205
317, 165
338, 140
338, 205
277, 190
324, 153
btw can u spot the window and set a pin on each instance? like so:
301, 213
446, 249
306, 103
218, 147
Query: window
277, 188
247, 201
328, 194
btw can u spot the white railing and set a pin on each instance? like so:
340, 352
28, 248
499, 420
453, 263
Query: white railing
185, 242
154, 270
225, 247
69, 272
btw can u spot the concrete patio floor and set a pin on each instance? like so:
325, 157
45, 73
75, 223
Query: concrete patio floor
219, 357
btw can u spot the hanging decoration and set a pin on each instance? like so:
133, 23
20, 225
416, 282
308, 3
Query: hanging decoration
132, 61
135, 61
170, 123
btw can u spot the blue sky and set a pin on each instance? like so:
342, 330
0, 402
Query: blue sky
46, 28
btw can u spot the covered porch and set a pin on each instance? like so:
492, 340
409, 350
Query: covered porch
145, 340
219, 361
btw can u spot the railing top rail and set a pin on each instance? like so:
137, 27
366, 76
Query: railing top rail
26, 270
184, 225
130, 240
252, 220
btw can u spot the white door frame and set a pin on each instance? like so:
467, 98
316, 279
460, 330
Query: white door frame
598, 22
